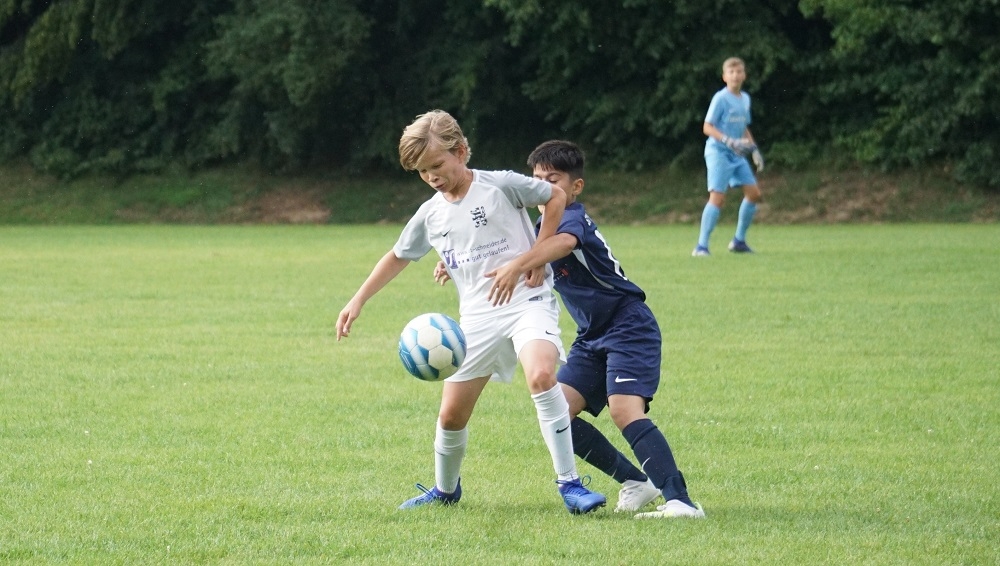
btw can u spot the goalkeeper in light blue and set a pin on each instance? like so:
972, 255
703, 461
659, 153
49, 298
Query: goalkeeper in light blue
729, 144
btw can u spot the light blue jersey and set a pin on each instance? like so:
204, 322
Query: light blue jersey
725, 168
730, 114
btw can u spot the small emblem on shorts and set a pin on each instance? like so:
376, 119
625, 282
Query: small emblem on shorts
618, 379
552, 333
538, 298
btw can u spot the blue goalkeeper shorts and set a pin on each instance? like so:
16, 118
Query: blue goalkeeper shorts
727, 169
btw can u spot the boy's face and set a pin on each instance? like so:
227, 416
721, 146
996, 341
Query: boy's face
443, 170
733, 76
561, 179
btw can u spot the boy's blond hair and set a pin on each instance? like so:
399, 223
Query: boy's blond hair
436, 129
732, 62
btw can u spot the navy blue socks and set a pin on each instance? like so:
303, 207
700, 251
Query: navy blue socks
657, 460
595, 449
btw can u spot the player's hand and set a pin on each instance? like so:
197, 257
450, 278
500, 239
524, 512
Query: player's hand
441, 273
535, 277
347, 317
504, 281
742, 146
758, 159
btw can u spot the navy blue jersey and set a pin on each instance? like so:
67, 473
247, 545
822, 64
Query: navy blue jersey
590, 280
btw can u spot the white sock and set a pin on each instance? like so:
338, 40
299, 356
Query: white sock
553, 418
449, 451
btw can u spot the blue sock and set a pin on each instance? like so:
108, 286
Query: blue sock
747, 210
595, 449
652, 450
709, 218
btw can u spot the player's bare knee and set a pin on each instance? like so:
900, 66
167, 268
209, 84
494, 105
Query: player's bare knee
626, 409
576, 401
451, 421
539, 381
454, 417
624, 417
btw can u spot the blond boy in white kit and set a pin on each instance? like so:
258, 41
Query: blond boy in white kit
477, 221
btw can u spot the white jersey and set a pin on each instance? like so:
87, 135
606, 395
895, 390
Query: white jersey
482, 232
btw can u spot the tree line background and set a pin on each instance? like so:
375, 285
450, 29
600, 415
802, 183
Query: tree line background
130, 86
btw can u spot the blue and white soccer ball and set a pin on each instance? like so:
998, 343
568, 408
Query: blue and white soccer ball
432, 346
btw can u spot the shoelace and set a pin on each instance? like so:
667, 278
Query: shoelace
575, 487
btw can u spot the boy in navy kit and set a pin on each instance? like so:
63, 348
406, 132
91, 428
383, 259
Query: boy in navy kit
729, 142
615, 359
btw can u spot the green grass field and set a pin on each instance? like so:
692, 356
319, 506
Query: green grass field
176, 395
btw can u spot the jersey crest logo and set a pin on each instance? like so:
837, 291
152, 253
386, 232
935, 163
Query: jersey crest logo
479, 216
448, 256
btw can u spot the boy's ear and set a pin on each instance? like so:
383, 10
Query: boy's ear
577, 186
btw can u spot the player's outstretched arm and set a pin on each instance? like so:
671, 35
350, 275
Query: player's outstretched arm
533, 278
505, 278
384, 271
554, 209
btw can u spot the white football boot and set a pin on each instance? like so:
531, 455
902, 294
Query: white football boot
674, 509
635, 495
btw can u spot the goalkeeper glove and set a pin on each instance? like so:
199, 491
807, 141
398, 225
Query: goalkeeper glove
758, 159
740, 146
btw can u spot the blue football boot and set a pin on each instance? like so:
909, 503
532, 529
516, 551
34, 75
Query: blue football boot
579, 499
432, 495
739, 247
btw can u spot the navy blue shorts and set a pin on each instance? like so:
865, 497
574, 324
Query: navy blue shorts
624, 360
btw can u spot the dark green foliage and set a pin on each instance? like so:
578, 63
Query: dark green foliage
128, 86
284, 66
633, 79
427, 54
916, 79
102, 86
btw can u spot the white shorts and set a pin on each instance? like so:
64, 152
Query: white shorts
493, 343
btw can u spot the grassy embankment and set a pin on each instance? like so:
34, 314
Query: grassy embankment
242, 195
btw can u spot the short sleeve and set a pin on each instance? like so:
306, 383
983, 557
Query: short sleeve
714, 114
574, 222
413, 242
522, 191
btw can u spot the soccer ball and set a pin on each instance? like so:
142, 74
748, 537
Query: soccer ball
432, 346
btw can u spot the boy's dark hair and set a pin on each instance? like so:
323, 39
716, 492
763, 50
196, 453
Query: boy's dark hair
559, 155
